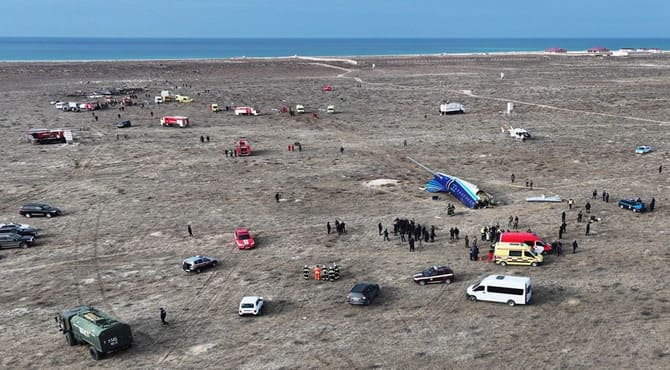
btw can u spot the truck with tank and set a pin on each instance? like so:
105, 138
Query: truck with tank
103, 333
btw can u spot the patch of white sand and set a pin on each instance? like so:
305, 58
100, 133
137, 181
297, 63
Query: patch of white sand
381, 182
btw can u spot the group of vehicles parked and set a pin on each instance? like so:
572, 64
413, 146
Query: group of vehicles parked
14, 235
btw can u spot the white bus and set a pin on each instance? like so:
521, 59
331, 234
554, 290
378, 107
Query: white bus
512, 290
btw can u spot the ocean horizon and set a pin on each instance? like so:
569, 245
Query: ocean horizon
14, 49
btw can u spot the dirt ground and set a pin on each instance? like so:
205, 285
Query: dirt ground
127, 202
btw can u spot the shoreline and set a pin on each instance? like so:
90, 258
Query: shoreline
344, 58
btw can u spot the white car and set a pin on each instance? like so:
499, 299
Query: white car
251, 305
643, 149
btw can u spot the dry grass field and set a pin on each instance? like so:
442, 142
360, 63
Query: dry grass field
127, 202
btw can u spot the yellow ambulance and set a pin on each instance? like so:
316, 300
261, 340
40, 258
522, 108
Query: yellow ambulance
516, 254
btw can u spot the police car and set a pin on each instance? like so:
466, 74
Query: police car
434, 274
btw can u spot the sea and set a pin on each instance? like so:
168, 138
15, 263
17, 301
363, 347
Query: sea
107, 48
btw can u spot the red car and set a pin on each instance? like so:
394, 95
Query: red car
243, 239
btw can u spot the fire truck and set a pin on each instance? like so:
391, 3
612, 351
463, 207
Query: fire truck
180, 121
245, 111
243, 148
47, 136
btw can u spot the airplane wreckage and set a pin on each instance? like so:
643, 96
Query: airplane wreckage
466, 192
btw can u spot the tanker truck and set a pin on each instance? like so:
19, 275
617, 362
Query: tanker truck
100, 331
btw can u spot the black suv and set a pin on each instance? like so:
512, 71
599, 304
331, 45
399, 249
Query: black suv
38, 209
363, 293
18, 229
11, 240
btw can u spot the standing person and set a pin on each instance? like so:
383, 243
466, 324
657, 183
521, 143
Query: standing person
467, 242
563, 217
588, 228
341, 150
587, 206
559, 248
380, 228
432, 234
411, 244
475, 251
509, 222
451, 234
386, 235
277, 197
607, 197
328, 226
594, 194
560, 232
190, 231
456, 232
531, 184
660, 168
574, 247
202, 139
579, 216
516, 222
652, 204
570, 202
163, 316
512, 178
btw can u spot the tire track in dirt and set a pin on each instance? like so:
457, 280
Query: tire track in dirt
553, 107
521, 102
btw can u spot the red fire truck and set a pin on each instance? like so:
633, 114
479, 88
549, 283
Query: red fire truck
180, 121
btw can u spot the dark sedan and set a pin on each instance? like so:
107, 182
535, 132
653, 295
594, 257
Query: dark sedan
12, 240
20, 229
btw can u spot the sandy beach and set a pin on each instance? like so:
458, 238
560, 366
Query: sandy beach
129, 194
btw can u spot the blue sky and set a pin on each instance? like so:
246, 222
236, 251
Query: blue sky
336, 18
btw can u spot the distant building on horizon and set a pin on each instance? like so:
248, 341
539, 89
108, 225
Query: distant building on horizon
555, 50
599, 49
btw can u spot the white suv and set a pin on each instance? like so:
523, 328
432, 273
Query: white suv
252, 305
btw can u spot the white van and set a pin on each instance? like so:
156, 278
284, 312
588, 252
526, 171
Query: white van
512, 290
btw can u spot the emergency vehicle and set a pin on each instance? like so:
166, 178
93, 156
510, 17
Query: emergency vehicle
434, 274
243, 239
245, 111
180, 121
516, 254
243, 148
530, 239
46, 136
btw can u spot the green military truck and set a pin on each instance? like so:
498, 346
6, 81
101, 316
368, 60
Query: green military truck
102, 332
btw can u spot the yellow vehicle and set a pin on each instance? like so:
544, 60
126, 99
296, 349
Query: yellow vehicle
214, 107
516, 254
182, 99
